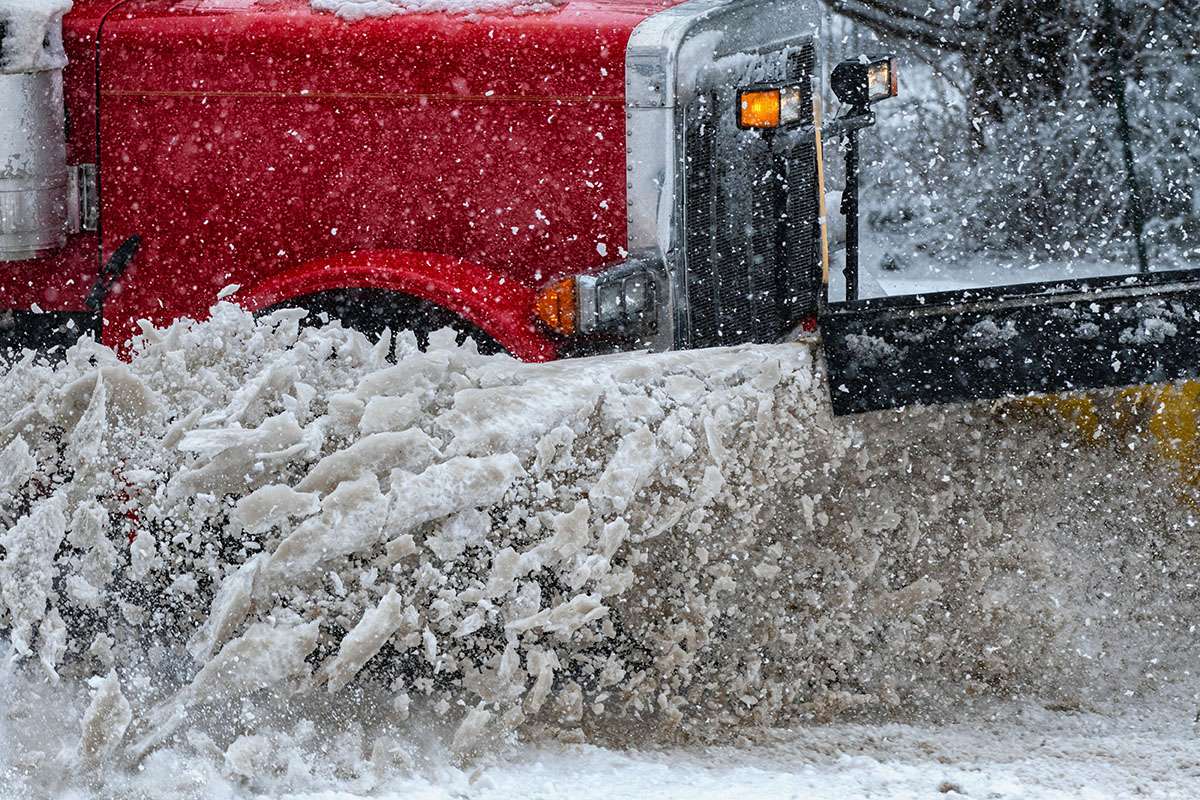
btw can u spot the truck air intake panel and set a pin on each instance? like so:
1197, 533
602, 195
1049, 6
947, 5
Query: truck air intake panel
33, 158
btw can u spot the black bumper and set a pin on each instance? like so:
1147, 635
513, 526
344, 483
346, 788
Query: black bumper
48, 332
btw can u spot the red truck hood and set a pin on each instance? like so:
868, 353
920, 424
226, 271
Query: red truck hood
411, 117
285, 46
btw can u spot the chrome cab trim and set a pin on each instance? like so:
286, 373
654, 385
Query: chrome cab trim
652, 138
33, 150
33, 165
83, 199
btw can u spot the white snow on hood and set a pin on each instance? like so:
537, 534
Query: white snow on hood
32, 38
372, 557
362, 9
32, 35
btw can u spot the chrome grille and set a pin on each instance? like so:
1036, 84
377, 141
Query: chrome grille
750, 219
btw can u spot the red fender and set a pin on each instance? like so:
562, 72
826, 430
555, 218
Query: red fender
500, 307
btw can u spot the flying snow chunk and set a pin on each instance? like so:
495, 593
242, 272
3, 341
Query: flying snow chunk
106, 720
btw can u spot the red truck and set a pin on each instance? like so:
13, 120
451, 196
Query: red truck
598, 174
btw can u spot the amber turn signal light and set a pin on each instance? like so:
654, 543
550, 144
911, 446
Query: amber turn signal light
758, 108
555, 306
766, 107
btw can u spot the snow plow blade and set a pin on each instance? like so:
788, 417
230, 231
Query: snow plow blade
996, 342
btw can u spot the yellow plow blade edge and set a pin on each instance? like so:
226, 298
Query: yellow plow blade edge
1165, 416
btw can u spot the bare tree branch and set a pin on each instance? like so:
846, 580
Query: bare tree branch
927, 35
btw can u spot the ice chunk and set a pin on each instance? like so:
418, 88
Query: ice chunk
454, 485
98, 556
430, 644
143, 555
636, 459
352, 519
271, 505
251, 756
85, 445
571, 534
389, 414
105, 721
228, 611
267, 654
16, 467
1150, 330
52, 642
27, 571
238, 460
472, 729
377, 454
542, 665
81, 592
271, 381
563, 619
465, 529
512, 419
364, 640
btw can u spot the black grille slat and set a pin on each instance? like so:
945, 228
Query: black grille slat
741, 282
751, 232
764, 259
801, 264
702, 283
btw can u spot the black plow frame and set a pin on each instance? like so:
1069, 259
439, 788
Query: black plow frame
995, 342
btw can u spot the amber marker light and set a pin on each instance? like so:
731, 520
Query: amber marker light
758, 108
555, 306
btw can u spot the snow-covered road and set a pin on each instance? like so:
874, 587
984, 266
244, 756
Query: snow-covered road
998, 751
1022, 752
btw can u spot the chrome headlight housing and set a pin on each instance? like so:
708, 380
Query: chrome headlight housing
623, 299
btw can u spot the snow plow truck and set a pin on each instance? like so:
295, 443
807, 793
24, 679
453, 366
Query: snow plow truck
552, 179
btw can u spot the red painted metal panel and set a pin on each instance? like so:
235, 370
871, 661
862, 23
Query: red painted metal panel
242, 143
57, 282
246, 142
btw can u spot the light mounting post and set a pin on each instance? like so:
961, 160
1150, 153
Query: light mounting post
858, 84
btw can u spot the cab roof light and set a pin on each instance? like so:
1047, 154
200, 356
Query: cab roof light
882, 80
864, 81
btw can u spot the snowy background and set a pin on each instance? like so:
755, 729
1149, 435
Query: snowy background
1002, 159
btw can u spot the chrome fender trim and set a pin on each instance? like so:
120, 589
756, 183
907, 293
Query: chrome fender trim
653, 145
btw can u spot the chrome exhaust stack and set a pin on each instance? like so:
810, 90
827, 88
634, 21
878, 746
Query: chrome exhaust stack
33, 155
